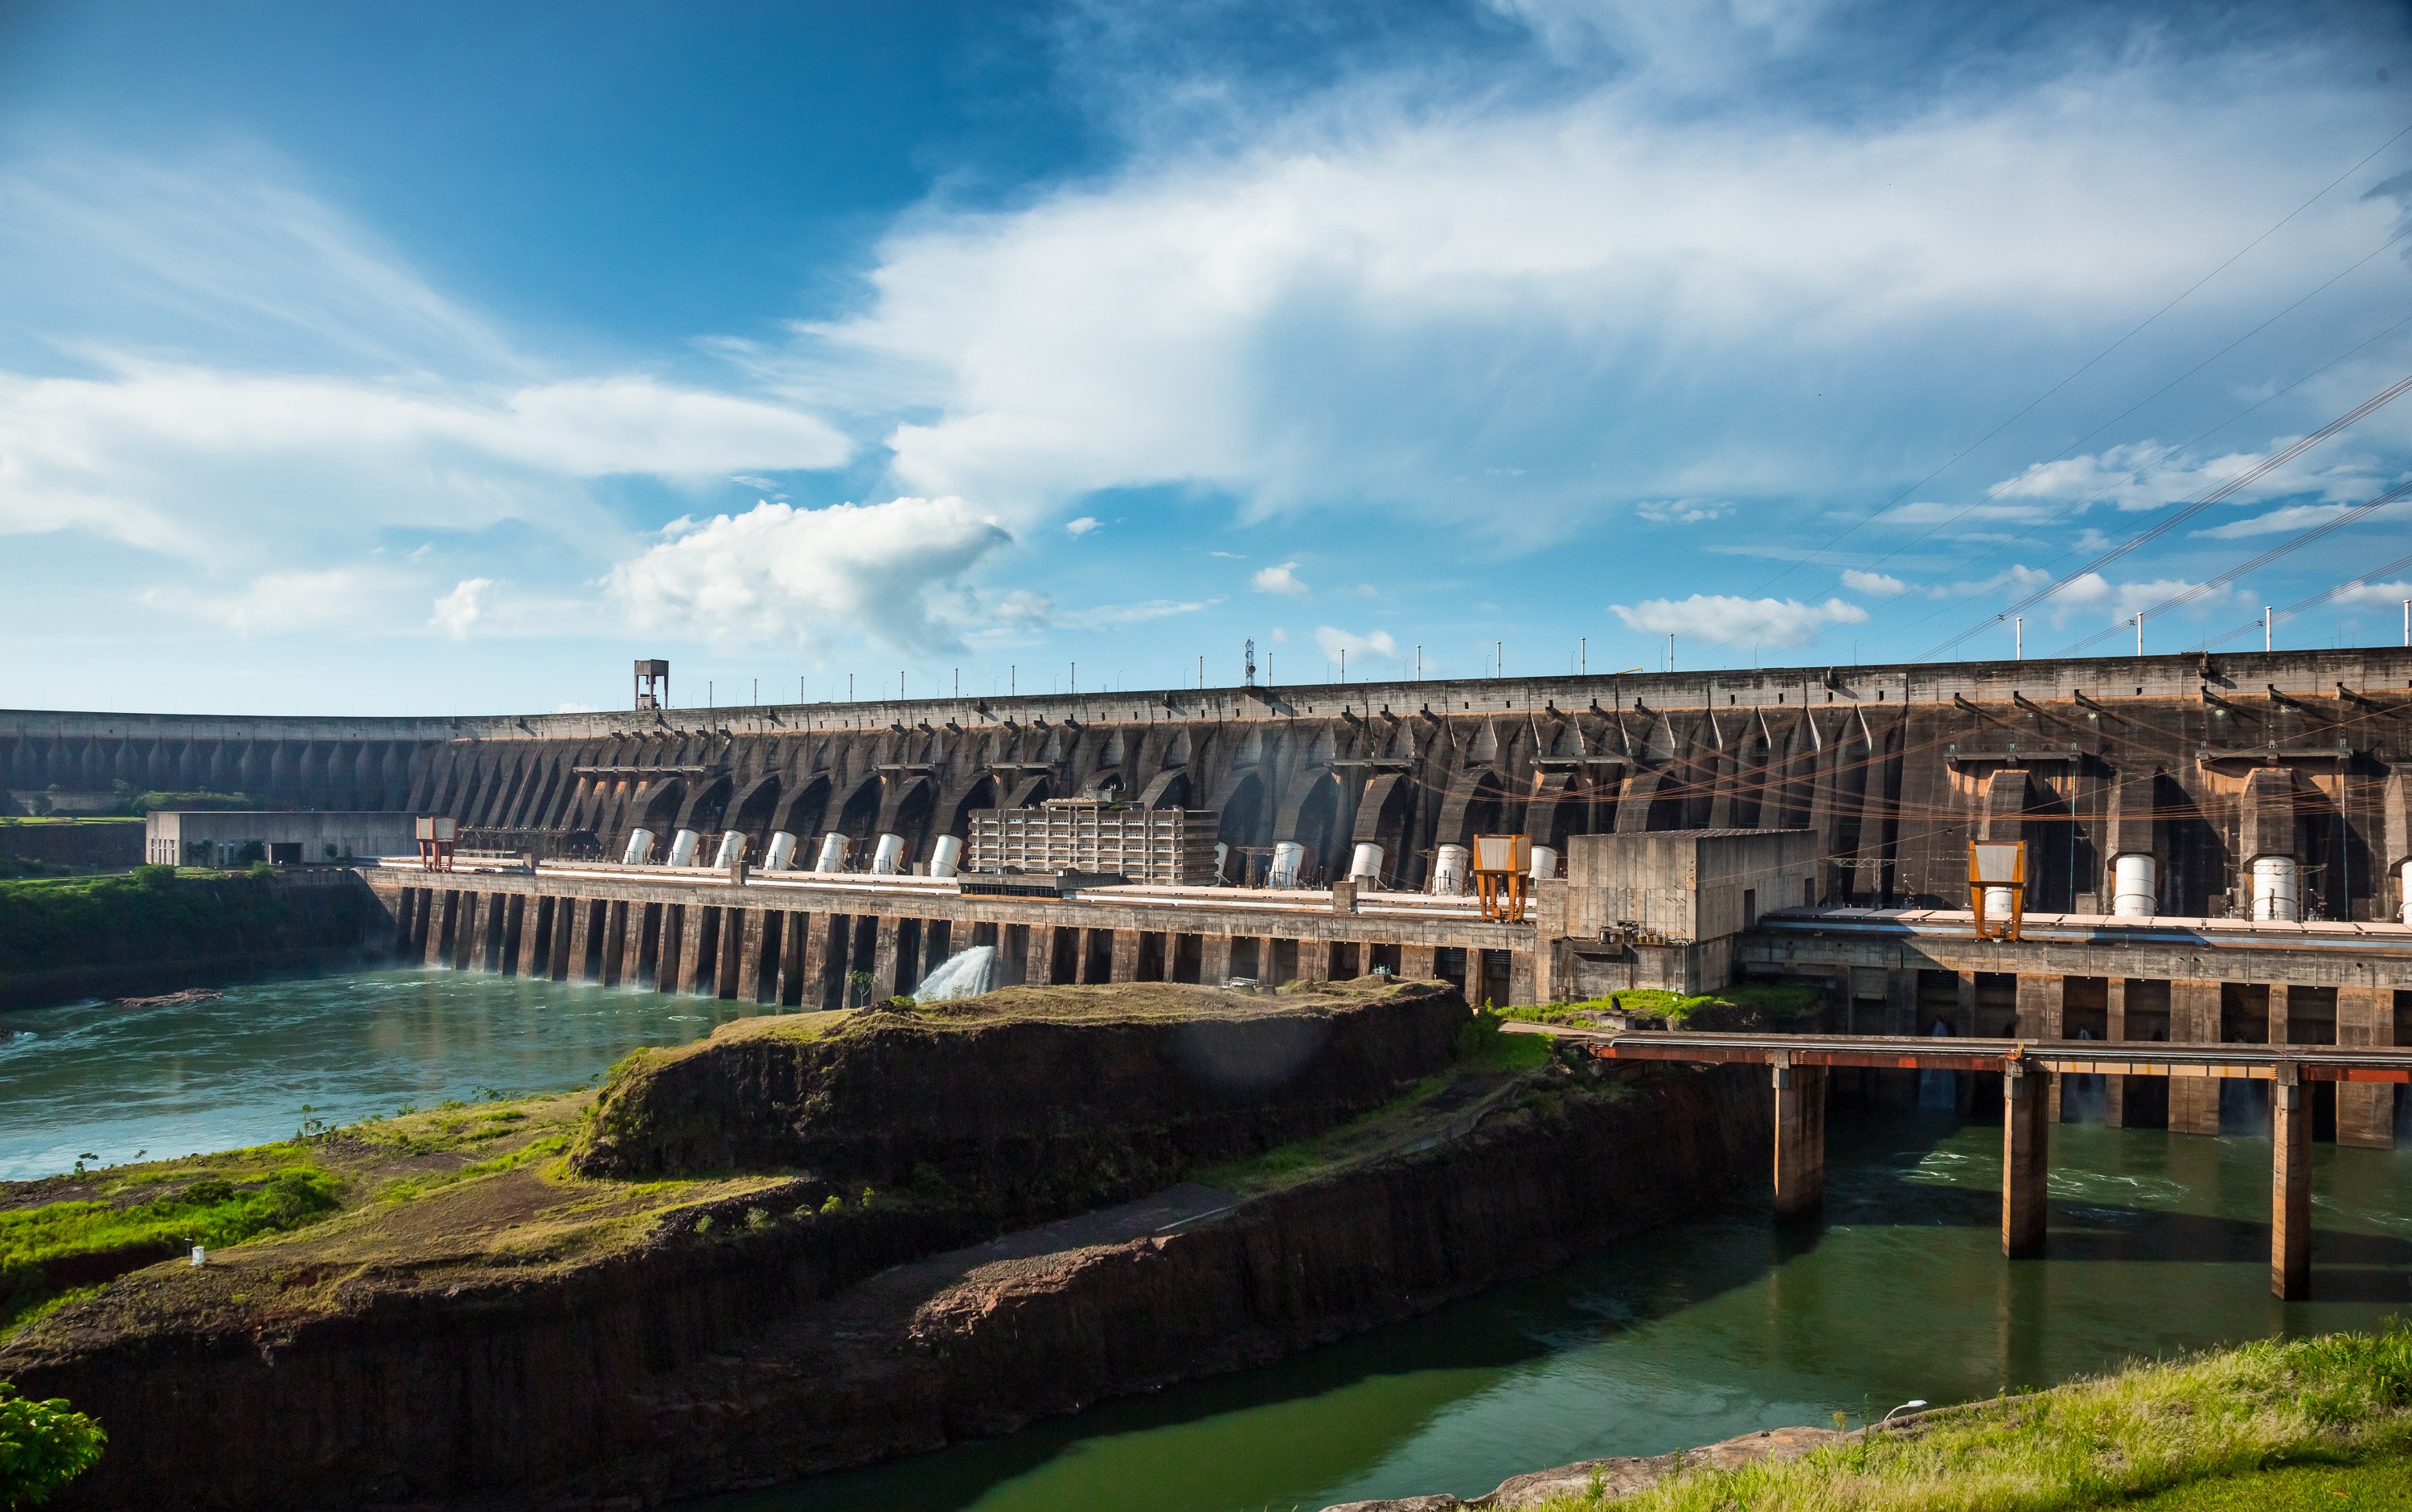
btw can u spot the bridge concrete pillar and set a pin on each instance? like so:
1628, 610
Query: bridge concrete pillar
1415, 962
406, 905
758, 976
883, 961
2194, 1020
556, 937
1215, 959
2280, 1030
1123, 964
2365, 1111
464, 944
1314, 961
671, 952
700, 950
2026, 1158
2114, 1089
1966, 1004
1523, 979
438, 933
512, 956
2291, 1186
1800, 1138
824, 957
792, 931
2042, 998
615, 940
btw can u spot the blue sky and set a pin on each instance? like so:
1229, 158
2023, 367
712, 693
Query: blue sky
443, 358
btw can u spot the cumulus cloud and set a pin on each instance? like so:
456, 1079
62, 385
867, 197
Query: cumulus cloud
2089, 596
463, 607
1281, 579
1726, 620
1882, 585
1337, 642
2294, 518
1080, 526
777, 574
2017, 576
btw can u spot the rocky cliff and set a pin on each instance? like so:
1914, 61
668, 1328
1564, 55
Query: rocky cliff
534, 1337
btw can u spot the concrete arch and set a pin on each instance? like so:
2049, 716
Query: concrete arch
1310, 815
1241, 802
751, 814
1477, 804
1386, 816
1166, 790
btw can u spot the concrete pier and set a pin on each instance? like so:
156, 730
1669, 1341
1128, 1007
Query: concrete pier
2291, 1186
2026, 1157
1800, 1140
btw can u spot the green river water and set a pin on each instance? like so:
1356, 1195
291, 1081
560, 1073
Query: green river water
1685, 1335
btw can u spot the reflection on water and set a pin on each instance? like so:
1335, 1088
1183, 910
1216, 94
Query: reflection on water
1719, 1326
117, 1084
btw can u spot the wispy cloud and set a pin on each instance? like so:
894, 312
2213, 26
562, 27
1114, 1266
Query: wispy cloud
1730, 620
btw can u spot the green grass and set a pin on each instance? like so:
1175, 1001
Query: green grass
1745, 1005
2299, 1488
34, 1242
2103, 1442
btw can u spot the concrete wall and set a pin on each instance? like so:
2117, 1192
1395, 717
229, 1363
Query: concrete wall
216, 838
110, 843
1891, 769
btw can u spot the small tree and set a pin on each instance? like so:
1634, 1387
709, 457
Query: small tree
43, 1446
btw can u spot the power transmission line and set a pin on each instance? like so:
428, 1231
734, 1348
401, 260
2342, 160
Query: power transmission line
1968, 561
2191, 508
2083, 367
2291, 611
2212, 585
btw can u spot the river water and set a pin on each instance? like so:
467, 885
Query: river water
1695, 1332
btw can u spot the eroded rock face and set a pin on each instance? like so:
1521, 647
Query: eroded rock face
1033, 1100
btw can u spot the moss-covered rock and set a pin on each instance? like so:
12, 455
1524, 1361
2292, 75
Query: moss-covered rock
1031, 1099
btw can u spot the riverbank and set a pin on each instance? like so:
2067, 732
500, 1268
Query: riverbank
481, 1323
161, 928
2216, 1430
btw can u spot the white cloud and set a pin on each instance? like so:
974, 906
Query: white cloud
2017, 576
2390, 594
1683, 511
1279, 579
2294, 518
2091, 596
1316, 308
1726, 620
777, 574
463, 607
2146, 474
1883, 585
1080, 526
1335, 642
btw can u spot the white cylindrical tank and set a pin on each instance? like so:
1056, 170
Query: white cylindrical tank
1289, 858
834, 848
888, 857
1222, 859
732, 845
1365, 864
640, 849
2134, 886
1449, 870
2273, 889
947, 856
2404, 875
1997, 906
682, 848
1545, 863
782, 854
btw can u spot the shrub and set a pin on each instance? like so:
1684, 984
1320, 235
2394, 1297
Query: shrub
43, 1446
154, 878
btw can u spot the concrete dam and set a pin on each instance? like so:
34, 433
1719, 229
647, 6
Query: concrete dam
2218, 843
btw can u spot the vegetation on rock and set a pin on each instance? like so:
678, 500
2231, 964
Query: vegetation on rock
157, 915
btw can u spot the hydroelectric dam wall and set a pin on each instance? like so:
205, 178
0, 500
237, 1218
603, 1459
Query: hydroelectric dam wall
2203, 763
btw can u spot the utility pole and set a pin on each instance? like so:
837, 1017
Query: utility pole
1201, 673
2140, 632
1250, 670
1499, 658
2268, 621
1419, 648
849, 687
2018, 637
1582, 656
1075, 677
1343, 664
1671, 650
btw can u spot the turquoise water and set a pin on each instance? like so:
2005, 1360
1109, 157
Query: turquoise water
1706, 1328
1719, 1326
111, 1084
